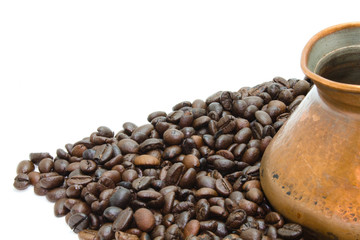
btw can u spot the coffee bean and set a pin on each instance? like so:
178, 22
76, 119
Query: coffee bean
34, 178
144, 219
301, 87
174, 173
56, 194
263, 118
87, 234
251, 234
128, 146
192, 228
173, 136
200, 161
88, 166
146, 160
25, 166
37, 157
290, 231
173, 232
125, 236
206, 193
123, 220
224, 141
78, 222
51, 181
21, 181
79, 180
223, 187
120, 198
236, 219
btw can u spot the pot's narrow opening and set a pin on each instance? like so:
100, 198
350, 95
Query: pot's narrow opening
341, 65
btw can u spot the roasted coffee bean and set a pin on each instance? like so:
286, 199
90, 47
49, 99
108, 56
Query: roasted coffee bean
255, 195
105, 232
37, 157
78, 222
202, 210
56, 194
263, 118
21, 181
25, 166
174, 173
173, 232
34, 178
88, 166
128, 146
224, 141
78, 180
274, 219
223, 187
200, 161
290, 231
52, 181
120, 198
123, 220
249, 207
144, 219
236, 219
251, 234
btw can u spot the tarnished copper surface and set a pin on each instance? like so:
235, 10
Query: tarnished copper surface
311, 170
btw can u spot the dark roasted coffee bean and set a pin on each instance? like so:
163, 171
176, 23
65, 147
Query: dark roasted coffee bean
263, 118
144, 219
141, 133
249, 207
37, 157
78, 222
25, 166
123, 220
224, 165
223, 187
174, 173
182, 219
105, 232
251, 234
236, 219
290, 231
274, 219
56, 194
59, 208
301, 87
125, 236
189, 178
88, 166
173, 232
192, 228
224, 141
78, 180
51, 181
255, 195
202, 210
34, 178
128, 146
21, 181
105, 132
120, 198
251, 155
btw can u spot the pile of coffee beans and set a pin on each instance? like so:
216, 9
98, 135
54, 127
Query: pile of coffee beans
189, 174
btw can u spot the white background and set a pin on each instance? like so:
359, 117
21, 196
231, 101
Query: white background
67, 67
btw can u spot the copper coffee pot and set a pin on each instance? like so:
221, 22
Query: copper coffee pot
310, 172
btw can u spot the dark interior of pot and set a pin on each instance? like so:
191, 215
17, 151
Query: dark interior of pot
336, 56
342, 65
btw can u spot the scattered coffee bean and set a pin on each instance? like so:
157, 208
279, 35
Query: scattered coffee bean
192, 173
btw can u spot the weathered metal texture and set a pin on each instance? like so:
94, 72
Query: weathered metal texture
310, 172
